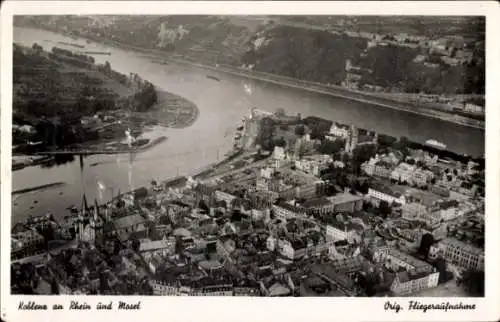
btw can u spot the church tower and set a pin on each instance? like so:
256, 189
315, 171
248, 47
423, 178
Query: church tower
80, 222
352, 140
96, 225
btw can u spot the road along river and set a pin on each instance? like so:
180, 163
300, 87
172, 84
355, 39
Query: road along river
221, 104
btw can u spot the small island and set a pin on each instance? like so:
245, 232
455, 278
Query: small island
64, 101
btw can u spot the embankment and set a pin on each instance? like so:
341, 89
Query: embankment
396, 103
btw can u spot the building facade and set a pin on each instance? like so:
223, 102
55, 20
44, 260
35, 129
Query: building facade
384, 194
406, 284
463, 255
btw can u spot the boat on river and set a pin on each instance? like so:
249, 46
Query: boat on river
213, 77
435, 144
71, 44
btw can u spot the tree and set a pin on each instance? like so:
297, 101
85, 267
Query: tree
136, 245
203, 205
266, 132
300, 130
330, 147
54, 287
362, 154
402, 145
37, 49
107, 67
425, 244
48, 234
280, 142
384, 208
444, 275
473, 282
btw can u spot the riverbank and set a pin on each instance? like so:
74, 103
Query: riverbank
132, 105
382, 99
337, 91
21, 162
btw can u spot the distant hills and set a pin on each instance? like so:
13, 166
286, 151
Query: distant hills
433, 55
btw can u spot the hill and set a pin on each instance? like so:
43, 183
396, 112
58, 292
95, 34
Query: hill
430, 55
62, 98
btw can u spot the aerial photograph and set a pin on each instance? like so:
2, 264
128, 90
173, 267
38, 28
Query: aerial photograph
265, 156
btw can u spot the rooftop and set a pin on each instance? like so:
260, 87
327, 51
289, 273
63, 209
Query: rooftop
290, 207
386, 190
316, 202
278, 289
448, 204
210, 264
407, 258
128, 221
344, 197
404, 277
154, 245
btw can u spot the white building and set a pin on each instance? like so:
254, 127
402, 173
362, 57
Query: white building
412, 211
396, 259
337, 130
473, 108
407, 283
271, 243
267, 172
285, 248
285, 211
403, 172
339, 232
165, 289
383, 193
224, 196
279, 153
463, 255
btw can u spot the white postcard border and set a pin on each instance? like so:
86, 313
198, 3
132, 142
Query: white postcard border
256, 309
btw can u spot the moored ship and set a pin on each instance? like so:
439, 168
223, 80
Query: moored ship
435, 144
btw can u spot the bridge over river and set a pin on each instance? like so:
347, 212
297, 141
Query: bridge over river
80, 152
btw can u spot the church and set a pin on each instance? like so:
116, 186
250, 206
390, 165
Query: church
89, 225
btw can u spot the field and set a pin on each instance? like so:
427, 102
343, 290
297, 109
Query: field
172, 111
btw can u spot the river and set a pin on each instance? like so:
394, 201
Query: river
221, 104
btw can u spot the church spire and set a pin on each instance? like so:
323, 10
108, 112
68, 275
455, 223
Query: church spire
96, 209
85, 205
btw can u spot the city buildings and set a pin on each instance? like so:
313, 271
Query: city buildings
263, 231
342, 202
286, 211
26, 243
376, 167
407, 283
383, 193
338, 131
411, 174
462, 254
394, 259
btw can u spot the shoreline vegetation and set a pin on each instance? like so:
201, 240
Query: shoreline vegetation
387, 100
383, 99
93, 108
